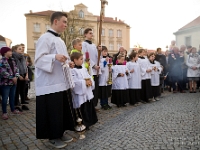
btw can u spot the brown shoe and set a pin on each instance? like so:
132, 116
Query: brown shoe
182, 91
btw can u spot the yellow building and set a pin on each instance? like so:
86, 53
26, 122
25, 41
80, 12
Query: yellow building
115, 33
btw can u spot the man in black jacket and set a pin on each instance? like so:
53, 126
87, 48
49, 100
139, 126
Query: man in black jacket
121, 50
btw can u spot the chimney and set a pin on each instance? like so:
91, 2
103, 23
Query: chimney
115, 18
30, 11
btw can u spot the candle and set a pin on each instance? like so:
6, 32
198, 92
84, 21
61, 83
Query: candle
87, 55
110, 60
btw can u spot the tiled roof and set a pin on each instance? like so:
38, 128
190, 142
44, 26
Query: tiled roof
42, 13
110, 19
194, 23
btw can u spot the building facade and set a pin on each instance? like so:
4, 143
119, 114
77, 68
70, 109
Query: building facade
115, 33
189, 34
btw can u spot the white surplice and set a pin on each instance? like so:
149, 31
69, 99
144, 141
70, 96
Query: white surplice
81, 93
93, 54
155, 75
119, 83
134, 80
144, 64
103, 77
49, 76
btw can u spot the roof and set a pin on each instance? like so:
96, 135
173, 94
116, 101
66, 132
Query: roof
110, 19
41, 13
194, 23
49, 12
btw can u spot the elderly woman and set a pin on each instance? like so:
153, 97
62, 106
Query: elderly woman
175, 61
193, 63
121, 50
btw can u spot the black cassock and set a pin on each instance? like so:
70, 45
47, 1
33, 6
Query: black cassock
54, 115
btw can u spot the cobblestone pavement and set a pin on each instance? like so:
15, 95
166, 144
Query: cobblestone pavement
171, 123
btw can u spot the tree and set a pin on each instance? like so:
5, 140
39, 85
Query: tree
75, 28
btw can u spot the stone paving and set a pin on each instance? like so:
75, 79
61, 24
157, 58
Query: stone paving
171, 123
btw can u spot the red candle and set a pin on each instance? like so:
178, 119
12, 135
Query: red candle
110, 60
87, 55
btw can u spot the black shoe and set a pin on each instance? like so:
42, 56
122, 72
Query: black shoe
18, 108
24, 103
124, 105
24, 107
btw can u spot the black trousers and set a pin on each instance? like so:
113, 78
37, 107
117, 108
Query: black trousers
20, 91
54, 115
96, 90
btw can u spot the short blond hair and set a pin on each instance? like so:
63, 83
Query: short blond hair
76, 41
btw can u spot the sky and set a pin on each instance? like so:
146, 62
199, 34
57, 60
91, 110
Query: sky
152, 22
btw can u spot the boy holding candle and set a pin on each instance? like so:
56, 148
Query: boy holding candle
104, 86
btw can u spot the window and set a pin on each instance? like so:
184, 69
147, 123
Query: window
47, 27
110, 33
103, 32
119, 33
111, 46
103, 43
81, 14
188, 41
35, 42
36, 27
71, 30
81, 31
119, 45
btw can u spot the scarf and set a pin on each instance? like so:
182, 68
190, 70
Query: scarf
21, 63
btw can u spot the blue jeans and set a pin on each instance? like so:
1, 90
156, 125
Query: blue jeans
104, 101
8, 91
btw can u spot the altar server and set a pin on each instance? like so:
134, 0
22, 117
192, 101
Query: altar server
104, 87
88, 46
155, 76
146, 93
82, 92
134, 80
120, 72
54, 110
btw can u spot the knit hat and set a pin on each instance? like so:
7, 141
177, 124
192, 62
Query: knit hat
4, 50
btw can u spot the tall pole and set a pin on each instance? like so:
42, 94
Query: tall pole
102, 15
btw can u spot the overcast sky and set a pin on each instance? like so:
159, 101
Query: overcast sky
152, 22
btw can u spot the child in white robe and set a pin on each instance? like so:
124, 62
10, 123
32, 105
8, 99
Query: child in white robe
134, 80
104, 87
82, 92
146, 93
155, 76
120, 72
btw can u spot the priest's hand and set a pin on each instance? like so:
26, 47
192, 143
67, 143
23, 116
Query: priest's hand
61, 58
71, 64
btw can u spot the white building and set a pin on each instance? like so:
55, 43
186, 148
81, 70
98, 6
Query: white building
189, 34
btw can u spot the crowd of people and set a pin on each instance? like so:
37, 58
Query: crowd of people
15, 77
70, 86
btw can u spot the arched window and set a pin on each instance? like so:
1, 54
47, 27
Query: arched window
81, 14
